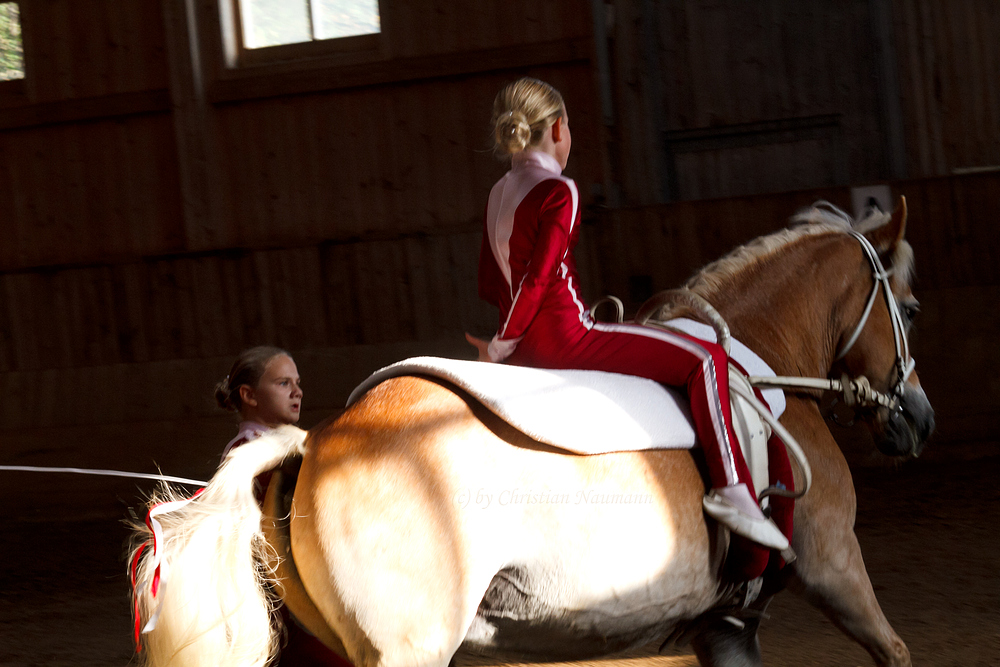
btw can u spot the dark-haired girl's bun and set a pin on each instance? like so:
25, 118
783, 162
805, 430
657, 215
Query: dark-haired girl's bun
222, 395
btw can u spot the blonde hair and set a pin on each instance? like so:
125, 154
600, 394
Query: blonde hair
522, 112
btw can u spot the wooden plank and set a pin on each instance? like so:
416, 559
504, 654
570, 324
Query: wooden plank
315, 191
250, 85
307, 268
266, 329
384, 183
196, 161
102, 170
465, 252
60, 79
131, 309
78, 110
929, 18
339, 306
890, 94
373, 139
419, 293
8, 337
782, 130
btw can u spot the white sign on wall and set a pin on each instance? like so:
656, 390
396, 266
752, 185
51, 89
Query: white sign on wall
862, 198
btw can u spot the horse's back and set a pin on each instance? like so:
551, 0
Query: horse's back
410, 504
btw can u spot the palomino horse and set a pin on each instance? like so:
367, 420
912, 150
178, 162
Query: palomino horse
421, 524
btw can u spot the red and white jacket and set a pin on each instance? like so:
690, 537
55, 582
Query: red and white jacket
526, 264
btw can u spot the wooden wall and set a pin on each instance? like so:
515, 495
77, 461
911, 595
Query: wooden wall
161, 209
124, 142
745, 97
386, 160
76, 49
215, 304
721, 99
949, 65
951, 226
88, 166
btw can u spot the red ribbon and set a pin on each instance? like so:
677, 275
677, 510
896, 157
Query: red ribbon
155, 584
138, 621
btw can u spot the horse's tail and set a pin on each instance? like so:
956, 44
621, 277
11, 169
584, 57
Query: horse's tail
210, 605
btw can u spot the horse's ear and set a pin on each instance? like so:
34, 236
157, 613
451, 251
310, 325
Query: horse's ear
887, 237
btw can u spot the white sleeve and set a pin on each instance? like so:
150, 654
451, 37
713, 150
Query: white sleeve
501, 349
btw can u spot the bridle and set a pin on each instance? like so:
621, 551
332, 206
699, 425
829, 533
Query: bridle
858, 392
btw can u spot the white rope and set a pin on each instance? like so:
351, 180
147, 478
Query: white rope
106, 473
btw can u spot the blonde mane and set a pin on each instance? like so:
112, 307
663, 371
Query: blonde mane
821, 218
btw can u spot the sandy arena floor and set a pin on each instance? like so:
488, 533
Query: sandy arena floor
929, 531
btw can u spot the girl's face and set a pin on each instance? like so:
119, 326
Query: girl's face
277, 398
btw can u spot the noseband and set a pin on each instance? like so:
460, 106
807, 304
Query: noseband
858, 391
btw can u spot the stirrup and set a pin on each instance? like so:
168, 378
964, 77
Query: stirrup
762, 531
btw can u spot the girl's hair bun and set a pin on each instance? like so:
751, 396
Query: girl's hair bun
513, 133
522, 112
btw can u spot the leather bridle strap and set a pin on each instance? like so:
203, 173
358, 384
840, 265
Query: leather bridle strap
859, 391
881, 279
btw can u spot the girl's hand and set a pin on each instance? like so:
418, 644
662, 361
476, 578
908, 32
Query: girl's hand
482, 346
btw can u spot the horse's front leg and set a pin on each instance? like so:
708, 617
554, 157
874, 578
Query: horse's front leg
837, 583
830, 572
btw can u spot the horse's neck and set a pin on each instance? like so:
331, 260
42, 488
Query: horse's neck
789, 309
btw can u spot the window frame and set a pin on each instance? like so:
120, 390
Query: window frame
13, 91
363, 47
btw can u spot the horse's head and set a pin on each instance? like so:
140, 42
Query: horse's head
811, 300
874, 330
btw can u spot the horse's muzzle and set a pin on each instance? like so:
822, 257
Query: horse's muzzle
909, 425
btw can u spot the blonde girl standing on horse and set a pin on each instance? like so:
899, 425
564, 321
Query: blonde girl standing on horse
527, 270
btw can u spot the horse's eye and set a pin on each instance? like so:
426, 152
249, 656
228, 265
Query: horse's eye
910, 311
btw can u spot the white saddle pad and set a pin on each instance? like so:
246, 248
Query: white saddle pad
587, 412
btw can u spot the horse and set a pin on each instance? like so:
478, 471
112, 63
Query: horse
420, 524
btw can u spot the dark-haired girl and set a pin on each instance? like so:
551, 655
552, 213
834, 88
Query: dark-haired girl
264, 387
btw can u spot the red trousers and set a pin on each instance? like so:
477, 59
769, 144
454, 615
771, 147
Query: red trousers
672, 359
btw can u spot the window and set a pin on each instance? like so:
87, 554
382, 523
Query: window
267, 23
11, 49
